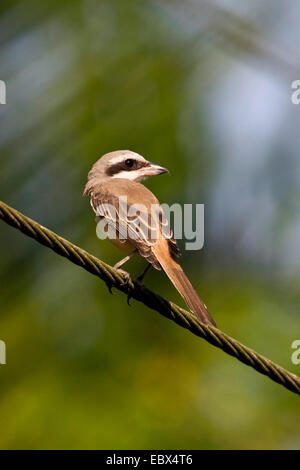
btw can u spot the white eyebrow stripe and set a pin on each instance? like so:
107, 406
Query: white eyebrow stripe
121, 158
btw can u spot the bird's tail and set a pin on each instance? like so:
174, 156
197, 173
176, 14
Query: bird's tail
184, 287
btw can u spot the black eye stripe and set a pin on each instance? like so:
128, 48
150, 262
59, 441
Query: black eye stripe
122, 166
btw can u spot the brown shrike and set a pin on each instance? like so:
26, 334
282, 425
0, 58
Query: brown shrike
141, 227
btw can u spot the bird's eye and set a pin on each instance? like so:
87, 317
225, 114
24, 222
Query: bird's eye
129, 163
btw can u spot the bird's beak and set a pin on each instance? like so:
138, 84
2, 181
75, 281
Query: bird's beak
152, 170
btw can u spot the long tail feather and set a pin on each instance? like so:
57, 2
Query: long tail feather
184, 287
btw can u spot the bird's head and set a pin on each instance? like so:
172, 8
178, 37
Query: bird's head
123, 164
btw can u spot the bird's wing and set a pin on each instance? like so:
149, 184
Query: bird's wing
142, 224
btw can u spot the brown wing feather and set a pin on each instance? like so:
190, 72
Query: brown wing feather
137, 227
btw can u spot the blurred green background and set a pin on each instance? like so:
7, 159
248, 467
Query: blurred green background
203, 88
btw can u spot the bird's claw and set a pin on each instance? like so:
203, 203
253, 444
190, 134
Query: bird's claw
138, 281
128, 299
109, 286
125, 275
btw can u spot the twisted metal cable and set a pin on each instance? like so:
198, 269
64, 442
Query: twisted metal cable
113, 278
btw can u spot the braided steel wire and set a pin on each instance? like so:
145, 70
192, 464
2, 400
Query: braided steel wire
182, 317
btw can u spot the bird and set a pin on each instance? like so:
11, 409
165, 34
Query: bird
139, 229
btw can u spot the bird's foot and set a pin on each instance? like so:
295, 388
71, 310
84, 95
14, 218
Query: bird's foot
124, 274
138, 281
